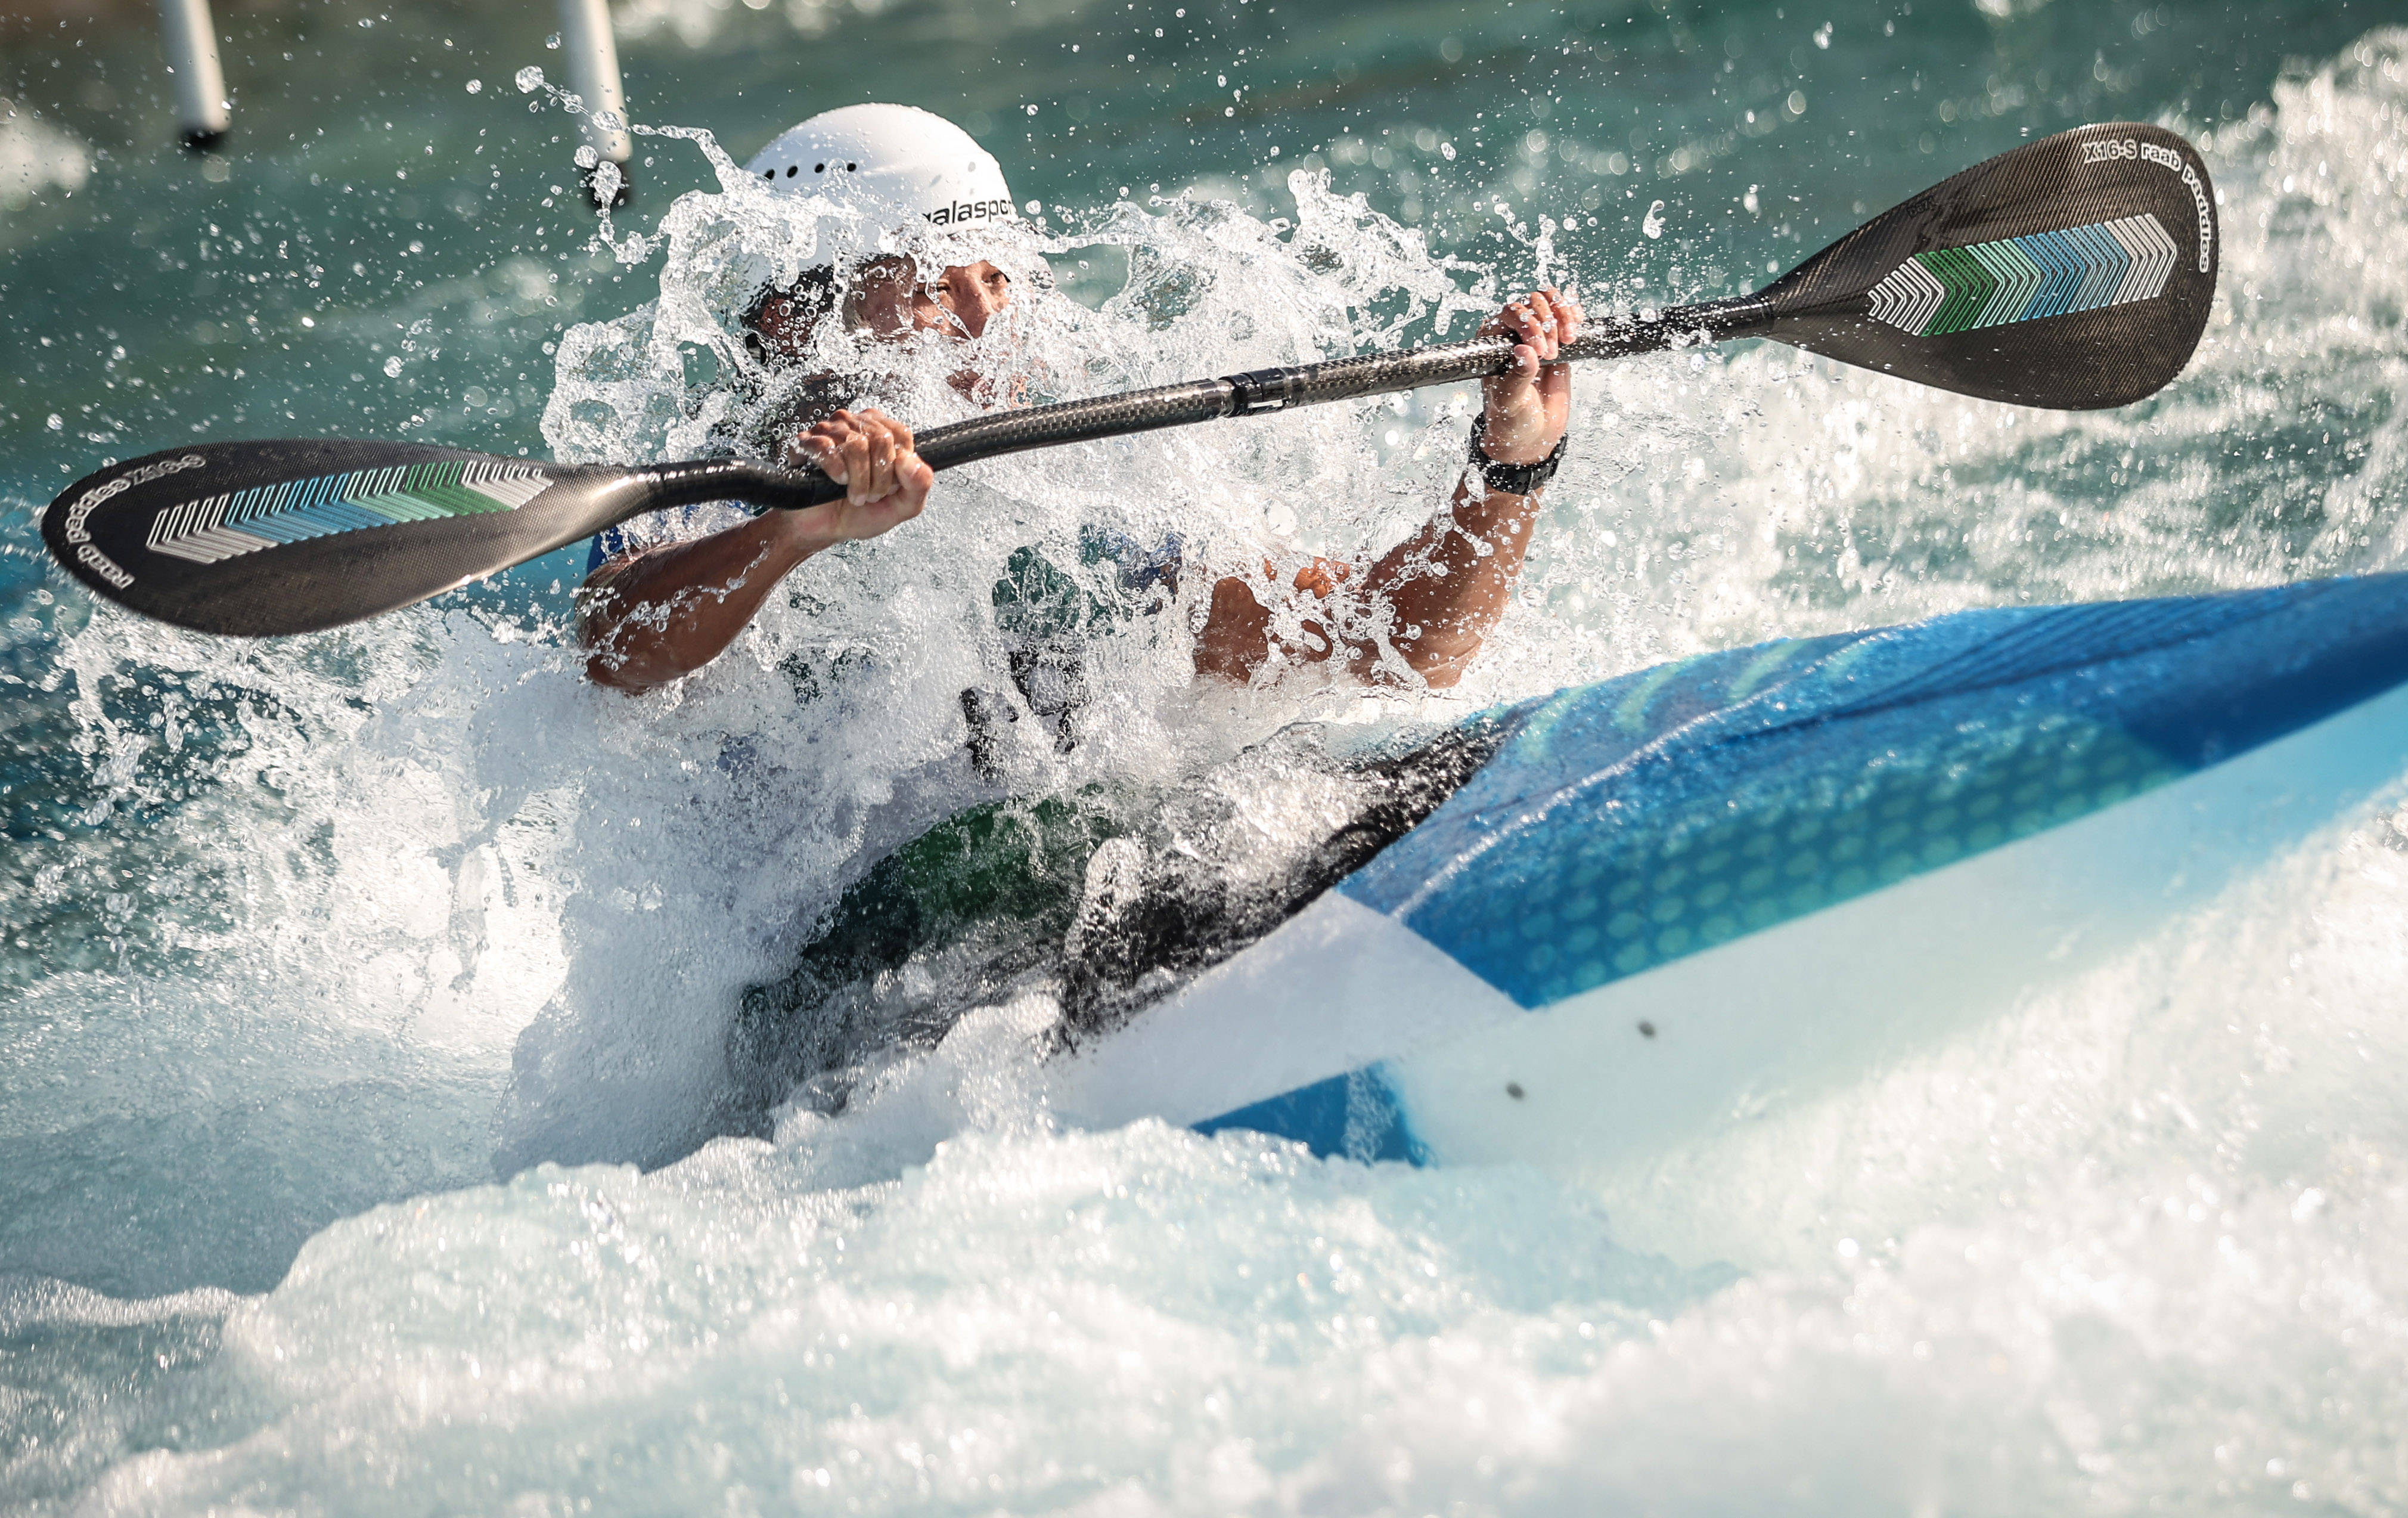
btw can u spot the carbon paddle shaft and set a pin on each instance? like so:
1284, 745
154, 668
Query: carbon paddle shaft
1254, 393
1259, 392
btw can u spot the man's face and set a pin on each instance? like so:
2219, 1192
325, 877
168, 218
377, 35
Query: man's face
887, 301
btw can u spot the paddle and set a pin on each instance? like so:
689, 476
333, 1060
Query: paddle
2073, 272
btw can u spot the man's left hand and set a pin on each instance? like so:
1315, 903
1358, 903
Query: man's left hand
1530, 405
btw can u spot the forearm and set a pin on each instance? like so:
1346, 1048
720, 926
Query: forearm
1434, 597
653, 619
667, 614
1446, 586
1443, 590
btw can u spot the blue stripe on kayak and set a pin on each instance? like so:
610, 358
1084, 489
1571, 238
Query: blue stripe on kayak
1354, 1116
1631, 823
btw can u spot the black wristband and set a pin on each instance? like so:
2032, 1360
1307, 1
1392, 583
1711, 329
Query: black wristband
1513, 479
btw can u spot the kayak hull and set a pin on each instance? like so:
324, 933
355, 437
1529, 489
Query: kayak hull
2042, 788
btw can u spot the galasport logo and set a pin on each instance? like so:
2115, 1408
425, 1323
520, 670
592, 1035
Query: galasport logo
76, 531
2106, 150
972, 210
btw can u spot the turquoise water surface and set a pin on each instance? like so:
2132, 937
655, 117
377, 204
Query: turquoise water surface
362, 997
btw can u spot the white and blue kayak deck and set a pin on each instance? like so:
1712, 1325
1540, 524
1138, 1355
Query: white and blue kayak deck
1673, 896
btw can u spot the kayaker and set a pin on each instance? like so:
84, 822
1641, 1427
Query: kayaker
653, 614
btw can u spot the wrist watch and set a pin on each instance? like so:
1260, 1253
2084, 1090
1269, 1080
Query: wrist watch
1513, 479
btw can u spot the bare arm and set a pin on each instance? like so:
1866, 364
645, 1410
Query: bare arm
654, 617
1445, 587
1441, 620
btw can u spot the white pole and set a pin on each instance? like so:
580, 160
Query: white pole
593, 74
192, 45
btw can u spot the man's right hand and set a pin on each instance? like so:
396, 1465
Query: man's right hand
655, 616
870, 454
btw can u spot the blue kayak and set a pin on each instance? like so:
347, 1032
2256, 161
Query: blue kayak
1673, 898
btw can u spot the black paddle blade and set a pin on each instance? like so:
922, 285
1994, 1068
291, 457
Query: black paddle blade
293, 536
2074, 272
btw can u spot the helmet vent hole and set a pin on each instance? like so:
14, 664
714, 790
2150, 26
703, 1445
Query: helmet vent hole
851, 168
819, 169
792, 169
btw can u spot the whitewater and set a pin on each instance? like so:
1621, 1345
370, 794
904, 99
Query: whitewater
364, 997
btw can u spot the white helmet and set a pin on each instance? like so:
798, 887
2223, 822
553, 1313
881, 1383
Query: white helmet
902, 160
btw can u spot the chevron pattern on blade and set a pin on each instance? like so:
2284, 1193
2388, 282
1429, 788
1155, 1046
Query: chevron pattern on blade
2024, 279
245, 521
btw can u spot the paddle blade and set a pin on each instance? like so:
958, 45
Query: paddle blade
265, 538
2074, 272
